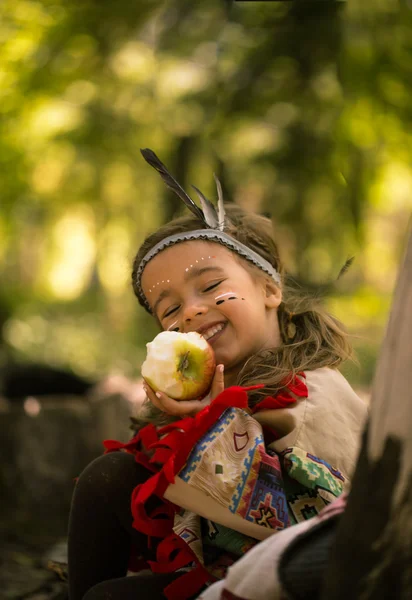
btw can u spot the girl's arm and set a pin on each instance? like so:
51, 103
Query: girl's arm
189, 498
281, 420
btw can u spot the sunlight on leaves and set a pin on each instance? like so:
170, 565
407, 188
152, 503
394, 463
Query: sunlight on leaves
73, 254
134, 62
51, 117
114, 256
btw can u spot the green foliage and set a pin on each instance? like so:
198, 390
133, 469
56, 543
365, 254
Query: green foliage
301, 108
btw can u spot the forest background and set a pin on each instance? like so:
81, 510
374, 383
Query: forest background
301, 108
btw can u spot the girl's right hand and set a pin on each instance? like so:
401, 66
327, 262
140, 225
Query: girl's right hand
184, 408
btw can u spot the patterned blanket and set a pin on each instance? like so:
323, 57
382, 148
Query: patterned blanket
222, 453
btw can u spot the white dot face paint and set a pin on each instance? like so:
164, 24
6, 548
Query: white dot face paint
197, 261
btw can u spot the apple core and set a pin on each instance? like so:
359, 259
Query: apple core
181, 365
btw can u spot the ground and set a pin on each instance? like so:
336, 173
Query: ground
23, 569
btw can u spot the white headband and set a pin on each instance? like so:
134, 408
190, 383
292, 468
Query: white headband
207, 235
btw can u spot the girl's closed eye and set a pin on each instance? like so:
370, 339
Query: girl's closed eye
170, 312
212, 287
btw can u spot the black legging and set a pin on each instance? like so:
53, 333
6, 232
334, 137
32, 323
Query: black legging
101, 534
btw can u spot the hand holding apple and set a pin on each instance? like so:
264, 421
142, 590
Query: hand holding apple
183, 408
181, 365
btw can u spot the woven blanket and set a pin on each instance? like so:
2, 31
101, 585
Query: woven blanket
221, 452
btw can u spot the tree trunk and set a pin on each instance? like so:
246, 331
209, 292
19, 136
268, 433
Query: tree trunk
372, 555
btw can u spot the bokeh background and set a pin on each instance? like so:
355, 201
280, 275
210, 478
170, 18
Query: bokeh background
301, 108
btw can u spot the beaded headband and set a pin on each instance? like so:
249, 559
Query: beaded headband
214, 221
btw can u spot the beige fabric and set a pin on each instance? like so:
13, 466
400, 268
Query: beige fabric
329, 422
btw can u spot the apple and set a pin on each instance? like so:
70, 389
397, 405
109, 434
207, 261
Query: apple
181, 365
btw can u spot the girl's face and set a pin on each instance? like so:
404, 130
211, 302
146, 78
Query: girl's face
202, 286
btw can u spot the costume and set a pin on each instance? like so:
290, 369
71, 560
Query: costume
263, 572
222, 452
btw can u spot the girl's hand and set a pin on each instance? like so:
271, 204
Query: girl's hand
184, 408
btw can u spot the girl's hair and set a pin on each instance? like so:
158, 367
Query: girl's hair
311, 337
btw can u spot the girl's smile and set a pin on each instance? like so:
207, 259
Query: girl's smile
202, 286
213, 332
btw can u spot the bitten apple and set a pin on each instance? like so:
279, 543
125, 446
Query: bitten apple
181, 365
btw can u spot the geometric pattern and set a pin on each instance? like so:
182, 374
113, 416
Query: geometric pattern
265, 514
240, 440
310, 483
201, 446
230, 464
224, 460
311, 471
262, 498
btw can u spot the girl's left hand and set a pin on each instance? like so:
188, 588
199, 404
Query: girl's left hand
184, 408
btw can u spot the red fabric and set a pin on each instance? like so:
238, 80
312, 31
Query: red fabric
284, 398
169, 448
269, 403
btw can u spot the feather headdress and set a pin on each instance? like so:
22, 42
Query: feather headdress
213, 226
212, 218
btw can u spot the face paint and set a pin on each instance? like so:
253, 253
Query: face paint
197, 261
232, 296
171, 326
186, 269
158, 283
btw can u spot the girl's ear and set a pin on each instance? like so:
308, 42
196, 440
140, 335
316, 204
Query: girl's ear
273, 294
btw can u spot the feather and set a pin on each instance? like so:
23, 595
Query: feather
220, 205
208, 209
345, 267
151, 158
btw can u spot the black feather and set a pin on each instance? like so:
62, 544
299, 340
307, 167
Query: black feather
345, 267
151, 158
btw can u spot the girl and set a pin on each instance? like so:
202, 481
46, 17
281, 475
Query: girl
277, 353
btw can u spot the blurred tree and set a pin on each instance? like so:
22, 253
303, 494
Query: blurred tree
299, 111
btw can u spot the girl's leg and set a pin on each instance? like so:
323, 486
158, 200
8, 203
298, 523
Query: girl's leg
100, 526
141, 587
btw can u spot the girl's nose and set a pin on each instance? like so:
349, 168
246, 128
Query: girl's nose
193, 310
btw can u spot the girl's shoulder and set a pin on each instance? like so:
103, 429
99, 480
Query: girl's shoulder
329, 421
329, 384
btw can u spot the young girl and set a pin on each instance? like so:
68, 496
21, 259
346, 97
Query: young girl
277, 353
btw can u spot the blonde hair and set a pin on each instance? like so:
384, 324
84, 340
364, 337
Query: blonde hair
311, 337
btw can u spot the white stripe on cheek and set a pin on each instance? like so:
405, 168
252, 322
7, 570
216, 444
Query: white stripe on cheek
172, 325
226, 294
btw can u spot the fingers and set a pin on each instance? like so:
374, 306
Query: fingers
167, 405
218, 383
152, 396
